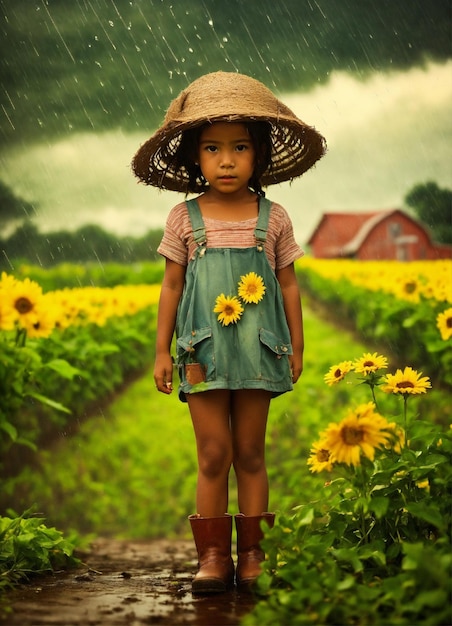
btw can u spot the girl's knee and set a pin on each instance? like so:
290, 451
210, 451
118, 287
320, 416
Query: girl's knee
250, 460
214, 460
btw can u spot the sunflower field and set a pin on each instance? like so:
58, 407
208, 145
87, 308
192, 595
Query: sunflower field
359, 455
374, 546
65, 350
406, 308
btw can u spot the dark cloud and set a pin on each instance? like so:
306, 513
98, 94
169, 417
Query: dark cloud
94, 65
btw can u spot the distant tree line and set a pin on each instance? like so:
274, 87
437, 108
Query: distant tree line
431, 204
89, 243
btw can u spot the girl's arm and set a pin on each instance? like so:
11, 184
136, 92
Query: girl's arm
172, 287
292, 306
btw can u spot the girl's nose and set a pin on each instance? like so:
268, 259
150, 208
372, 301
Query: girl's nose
227, 158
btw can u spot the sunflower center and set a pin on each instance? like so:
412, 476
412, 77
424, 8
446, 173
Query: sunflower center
352, 436
410, 287
323, 456
405, 384
229, 310
449, 322
251, 288
368, 364
338, 373
23, 305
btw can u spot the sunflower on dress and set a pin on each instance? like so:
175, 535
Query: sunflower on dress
228, 308
251, 288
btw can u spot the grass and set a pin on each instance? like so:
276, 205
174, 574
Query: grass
130, 471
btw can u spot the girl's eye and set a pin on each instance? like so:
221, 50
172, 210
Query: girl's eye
211, 149
241, 147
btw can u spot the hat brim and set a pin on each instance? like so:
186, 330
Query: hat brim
296, 147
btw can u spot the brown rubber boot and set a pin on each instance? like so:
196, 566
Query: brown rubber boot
213, 542
250, 554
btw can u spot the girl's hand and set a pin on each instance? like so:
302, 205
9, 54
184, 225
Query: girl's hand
296, 365
163, 373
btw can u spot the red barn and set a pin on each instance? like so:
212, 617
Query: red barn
379, 235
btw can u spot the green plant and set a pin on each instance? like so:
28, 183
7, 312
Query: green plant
375, 547
28, 547
21, 368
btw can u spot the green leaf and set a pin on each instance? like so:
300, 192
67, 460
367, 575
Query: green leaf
349, 555
347, 583
427, 513
9, 429
307, 517
64, 369
48, 402
379, 505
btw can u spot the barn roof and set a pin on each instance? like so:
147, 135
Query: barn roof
343, 233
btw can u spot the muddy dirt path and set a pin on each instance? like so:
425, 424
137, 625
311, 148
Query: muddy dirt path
127, 583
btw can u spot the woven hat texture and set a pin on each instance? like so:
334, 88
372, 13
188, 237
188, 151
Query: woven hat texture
232, 97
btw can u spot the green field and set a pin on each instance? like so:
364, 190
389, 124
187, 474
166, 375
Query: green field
130, 470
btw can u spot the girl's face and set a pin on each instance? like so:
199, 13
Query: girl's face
226, 156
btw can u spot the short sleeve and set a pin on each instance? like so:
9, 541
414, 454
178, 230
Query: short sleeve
174, 244
280, 230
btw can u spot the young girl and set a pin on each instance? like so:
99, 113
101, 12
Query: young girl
231, 294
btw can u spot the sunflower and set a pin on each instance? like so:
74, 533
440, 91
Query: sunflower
228, 308
251, 288
444, 324
7, 319
409, 288
22, 299
407, 382
370, 363
320, 459
355, 435
337, 372
42, 325
6, 281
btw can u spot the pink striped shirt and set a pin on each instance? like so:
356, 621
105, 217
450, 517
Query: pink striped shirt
179, 246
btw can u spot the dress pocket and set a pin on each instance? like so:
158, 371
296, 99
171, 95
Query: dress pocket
196, 348
274, 356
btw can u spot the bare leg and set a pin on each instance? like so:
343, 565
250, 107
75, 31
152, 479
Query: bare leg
210, 416
249, 414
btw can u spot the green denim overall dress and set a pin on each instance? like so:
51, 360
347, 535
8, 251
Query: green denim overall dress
249, 354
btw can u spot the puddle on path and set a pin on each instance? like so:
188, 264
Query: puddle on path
127, 583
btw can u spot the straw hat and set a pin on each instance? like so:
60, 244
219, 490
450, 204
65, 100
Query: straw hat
227, 96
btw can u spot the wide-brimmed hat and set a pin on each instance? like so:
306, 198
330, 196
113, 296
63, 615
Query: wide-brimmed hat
231, 97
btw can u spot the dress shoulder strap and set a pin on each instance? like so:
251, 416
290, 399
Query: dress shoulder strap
260, 232
199, 229
197, 223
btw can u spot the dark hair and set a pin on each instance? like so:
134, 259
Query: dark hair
186, 156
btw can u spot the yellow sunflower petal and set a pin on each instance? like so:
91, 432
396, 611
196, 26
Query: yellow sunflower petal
407, 382
337, 372
251, 288
228, 308
370, 363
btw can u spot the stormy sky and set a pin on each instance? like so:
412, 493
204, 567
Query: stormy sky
85, 82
